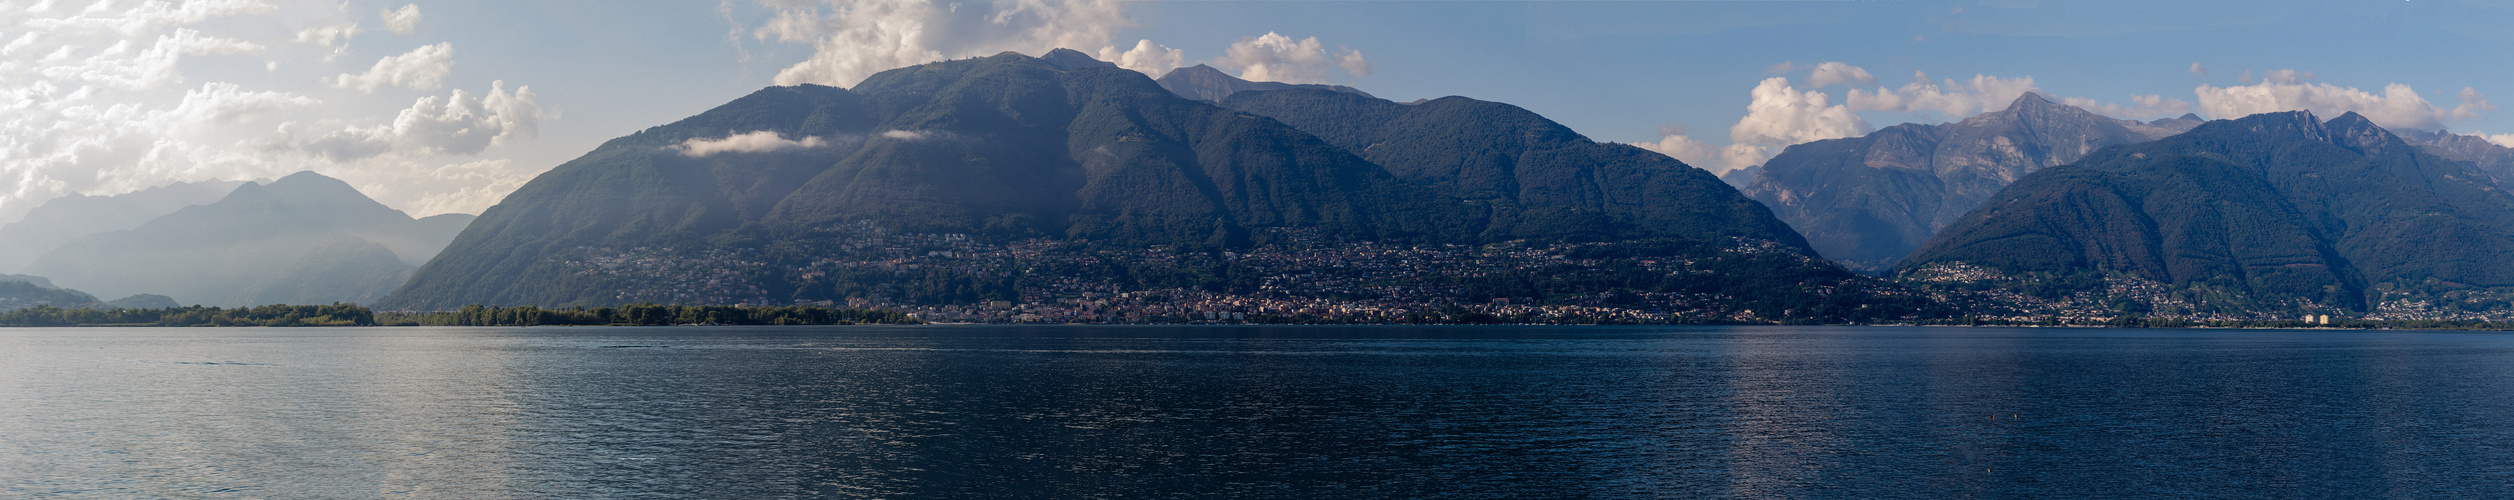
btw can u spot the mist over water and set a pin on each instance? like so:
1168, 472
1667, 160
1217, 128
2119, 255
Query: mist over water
1061, 412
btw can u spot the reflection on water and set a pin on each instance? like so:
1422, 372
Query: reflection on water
1253, 412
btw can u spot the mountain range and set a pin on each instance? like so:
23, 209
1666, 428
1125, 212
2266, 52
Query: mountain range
890, 189
301, 239
1065, 188
1868, 201
1541, 178
2273, 212
70, 217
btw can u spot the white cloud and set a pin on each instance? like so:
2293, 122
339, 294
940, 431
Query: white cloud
402, 22
335, 36
906, 135
1352, 62
121, 66
141, 19
423, 68
1675, 142
1951, 100
1831, 73
1147, 57
95, 99
2141, 107
1273, 57
457, 125
854, 39
758, 141
2399, 106
328, 35
2506, 140
1778, 116
89, 102
1781, 116
2196, 70
220, 103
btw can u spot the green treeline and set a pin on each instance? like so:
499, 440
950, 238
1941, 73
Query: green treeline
271, 315
647, 315
356, 315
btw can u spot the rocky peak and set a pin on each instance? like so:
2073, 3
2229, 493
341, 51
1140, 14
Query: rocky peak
2354, 131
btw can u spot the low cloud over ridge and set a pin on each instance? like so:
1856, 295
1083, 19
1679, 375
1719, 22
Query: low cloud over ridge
2291, 90
757, 141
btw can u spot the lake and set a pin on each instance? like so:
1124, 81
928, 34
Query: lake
1267, 412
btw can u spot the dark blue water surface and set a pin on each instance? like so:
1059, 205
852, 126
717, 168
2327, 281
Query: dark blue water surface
1286, 412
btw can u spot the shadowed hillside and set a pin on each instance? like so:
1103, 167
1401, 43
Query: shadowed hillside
1059, 181
2273, 212
1867, 201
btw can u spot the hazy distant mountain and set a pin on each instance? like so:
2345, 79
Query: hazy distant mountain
1203, 83
1542, 177
18, 291
69, 217
2274, 212
1017, 178
302, 239
1868, 201
144, 301
2497, 161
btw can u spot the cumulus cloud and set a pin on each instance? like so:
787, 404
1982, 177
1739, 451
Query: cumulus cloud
2399, 106
1147, 57
854, 39
221, 103
1777, 117
402, 22
1273, 57
124, 66
140, 19
334, 36
423, 68
2196, 70
328, 35
1831, 73
2506, 140
94, 99
89, 100
1352, 62
758, 141
457, 125
2141, 107
1780, 115
1675, 142
1951, 99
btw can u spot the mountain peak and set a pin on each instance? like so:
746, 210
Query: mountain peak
309, 189
1070, 59
2030, 99
1205, 83
2356, 132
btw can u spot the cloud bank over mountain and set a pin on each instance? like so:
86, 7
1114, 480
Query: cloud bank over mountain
112, 97
1782, 114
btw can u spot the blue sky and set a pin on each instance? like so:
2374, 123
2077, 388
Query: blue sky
255, 90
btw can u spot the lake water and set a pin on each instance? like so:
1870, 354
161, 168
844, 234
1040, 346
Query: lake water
1282, 412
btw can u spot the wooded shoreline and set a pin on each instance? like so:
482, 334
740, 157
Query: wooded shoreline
672, 315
